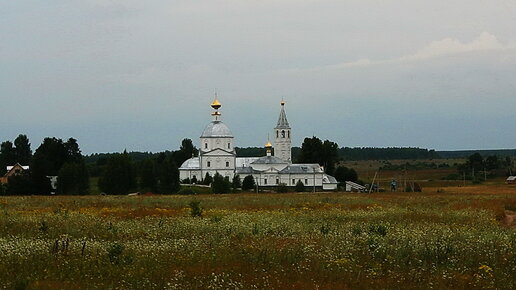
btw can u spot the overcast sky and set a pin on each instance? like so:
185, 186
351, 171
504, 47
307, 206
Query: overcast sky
140, 75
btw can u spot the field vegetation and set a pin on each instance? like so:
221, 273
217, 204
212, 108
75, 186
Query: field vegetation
455, 237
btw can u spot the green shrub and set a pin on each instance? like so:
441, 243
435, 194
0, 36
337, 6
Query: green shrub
282, 188
300, 186
187, 191
377, 229
116, 255
195, 208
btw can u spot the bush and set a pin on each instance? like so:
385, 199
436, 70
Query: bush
207, 179
116, 255
300, 186
187, 191
236, 184
248, 183
415, 187
220, 184
195, 208
379, 230
282, 188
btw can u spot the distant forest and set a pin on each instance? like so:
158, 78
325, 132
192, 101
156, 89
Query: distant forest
345, 153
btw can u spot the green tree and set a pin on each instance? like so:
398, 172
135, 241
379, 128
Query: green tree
7, 156
185, 152
148, 178
118, 177
236, 184
168, 176
343, 174
20, 185
248, 183
73, 178
220, 184
207, 179
324, 153
300, 186
23, 151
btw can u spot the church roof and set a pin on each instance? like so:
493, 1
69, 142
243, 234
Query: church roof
269, 160
192, 163
282, 120
302, 168
216, 129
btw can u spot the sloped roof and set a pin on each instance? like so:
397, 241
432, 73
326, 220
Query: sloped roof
511, 178
269, 160
302, 168
245, 161
24, 167
329, 179
282, 120
192, 163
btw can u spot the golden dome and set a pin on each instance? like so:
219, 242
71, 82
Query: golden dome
282, 103
216, 104
268, 145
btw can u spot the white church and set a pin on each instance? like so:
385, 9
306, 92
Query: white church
217, 155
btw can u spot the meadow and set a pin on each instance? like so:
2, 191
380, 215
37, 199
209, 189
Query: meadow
440, 238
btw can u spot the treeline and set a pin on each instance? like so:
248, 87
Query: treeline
467, 153
118, 173
478, 168
357, 153
389, 153
54, 157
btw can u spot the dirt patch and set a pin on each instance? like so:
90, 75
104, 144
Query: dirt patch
509, 219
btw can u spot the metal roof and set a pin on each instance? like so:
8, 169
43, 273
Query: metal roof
216, 129
302, 168
192, 163
329, 179
282, 120
269, 160
245, 161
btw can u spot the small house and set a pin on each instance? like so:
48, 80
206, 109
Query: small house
13, 170
511, 180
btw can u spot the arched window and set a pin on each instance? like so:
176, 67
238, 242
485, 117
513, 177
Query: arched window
227, 164
288, 132
205, 145
209, 164
229, 145
282, 133
277, 134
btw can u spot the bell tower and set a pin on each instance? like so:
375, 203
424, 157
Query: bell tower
282, 134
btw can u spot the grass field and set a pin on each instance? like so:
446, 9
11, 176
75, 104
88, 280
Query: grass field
461, 237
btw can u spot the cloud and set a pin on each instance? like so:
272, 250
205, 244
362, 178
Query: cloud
444, 47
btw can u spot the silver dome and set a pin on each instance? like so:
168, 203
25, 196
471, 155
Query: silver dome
216, 129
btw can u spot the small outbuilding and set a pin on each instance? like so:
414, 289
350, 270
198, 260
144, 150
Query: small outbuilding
354, 187
511, 180
13, 170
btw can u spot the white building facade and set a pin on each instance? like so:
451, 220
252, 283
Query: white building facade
217, 155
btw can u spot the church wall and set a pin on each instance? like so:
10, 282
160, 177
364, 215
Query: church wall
225, 143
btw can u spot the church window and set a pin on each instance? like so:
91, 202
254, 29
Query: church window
277, 134
227, 164
306, 181
277, 180
205, 145
209, 164
288, 132
293, 181
282, 133
229, 145
265, 181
